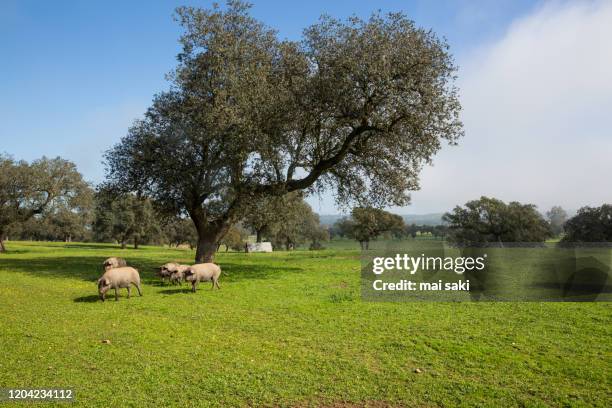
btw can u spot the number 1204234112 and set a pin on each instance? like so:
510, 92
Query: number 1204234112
8, 394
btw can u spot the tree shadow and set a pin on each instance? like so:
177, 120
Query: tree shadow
175, 291
93, 246
88, 268
10, 251
87, 299
236, 271
109, 298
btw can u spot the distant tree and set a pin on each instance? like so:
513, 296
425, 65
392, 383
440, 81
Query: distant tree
267, 212
298, 225
412, 230
357, 106
71, 219
29, 189
125, 217
344, 227
146, 227
333, 231
235, 238
367, 223
556, 217
440, 231
489, 220
179, 230
59, 222
37, 228
316, 233
590, 224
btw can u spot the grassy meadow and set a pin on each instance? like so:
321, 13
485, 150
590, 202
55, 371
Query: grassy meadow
286, 329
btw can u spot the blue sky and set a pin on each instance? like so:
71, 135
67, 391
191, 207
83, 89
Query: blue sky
74, 74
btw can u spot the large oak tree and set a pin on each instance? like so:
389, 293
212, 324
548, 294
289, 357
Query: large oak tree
357, 107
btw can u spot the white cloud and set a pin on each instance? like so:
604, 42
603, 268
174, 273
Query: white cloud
537, 109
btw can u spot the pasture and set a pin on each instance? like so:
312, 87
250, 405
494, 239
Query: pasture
286, 329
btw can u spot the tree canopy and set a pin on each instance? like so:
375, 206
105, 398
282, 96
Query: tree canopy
125, 218
366, 224
489, 221
356, 106
269, 212
590, 224
30, 189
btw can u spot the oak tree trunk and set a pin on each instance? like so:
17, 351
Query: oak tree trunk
205, 252
209, 234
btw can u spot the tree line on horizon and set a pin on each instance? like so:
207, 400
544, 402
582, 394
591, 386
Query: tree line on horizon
47, 200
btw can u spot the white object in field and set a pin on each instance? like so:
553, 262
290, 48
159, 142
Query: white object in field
260, 247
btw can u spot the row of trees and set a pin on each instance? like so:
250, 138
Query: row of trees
485, 221
489, 221
48, 200
366, 224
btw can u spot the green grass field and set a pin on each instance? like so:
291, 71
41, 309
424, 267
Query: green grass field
286, 329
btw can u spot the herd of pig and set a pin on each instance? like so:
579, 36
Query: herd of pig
118, 275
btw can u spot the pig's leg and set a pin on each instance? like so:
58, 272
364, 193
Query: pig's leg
138, 287
116, 294
129, 291
217, 283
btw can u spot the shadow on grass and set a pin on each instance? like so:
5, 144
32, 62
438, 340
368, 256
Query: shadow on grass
89, 268
109, 298
13, 251
92, 246
88, 299
175, 291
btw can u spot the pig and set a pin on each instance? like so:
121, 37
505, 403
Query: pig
113, 262
201, 273
166, 270
179, 274
117, 278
